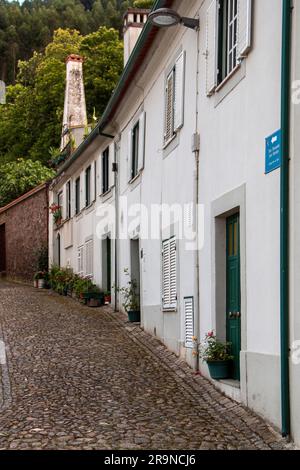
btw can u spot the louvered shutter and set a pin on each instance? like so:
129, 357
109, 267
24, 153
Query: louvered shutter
110, 162
142, 133
80, 260
89, 258
212, 26
166, 274
173, 273
179, 91
189, 321
244, 27
129, 156
169, 277
169, 108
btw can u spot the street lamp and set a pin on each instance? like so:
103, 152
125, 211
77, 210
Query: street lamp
165, 18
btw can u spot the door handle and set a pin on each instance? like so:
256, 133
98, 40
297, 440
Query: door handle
238, 315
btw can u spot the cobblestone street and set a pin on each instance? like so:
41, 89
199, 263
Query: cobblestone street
80, 378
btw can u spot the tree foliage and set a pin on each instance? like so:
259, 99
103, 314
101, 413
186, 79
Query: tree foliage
29, 27
16, 178
30, 122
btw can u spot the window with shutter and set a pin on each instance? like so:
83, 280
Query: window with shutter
244, 27
169, 105
68, 200
80, 260
169, 274
105, 171
89, 246
88, 186
189, 321
179, 91
77, 196
228, 37
142, 136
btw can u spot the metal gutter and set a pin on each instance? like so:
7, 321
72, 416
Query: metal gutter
133, 64
284, 215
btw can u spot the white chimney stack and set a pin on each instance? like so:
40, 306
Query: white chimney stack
134, 21
75, 117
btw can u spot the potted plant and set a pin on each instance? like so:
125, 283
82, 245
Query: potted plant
131, 301
56, 211
217, 356
39, 279
107, 298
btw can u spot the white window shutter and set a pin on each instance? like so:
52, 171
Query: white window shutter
244, 27
89, 258
110, 163
80, 260
166, 274
173, 273
92, 185
169, 274
179, 91
129, 156
169, 107
142, 134
212, 26
189, 322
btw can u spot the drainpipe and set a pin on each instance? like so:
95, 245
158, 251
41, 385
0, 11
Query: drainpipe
284, 215
196, 151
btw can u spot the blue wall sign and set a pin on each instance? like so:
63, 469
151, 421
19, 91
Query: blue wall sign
273, 152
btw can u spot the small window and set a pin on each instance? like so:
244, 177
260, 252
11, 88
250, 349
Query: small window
135, 150
77, 196
68, 199
88, 186
174, 99
228, 38
105, 171
169, 274
60, 201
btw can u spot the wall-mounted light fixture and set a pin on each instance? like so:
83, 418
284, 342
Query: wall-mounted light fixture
165, 18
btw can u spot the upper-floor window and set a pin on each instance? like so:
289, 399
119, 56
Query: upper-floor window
88, 186
77, 196
174, 99
105, 171
228, 39
135, 150
68, 200
95, 179
136, 147
60, 201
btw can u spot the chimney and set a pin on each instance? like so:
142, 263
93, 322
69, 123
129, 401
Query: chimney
134, 21
75, 118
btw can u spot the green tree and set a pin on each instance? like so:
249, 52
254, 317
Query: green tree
16, 178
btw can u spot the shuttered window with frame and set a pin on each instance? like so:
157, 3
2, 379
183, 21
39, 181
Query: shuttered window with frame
174, 98
169, 107
169, 274
189, 321
136, 147
80, 260
228, 38
89, 248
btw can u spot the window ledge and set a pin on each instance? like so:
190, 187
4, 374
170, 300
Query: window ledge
107, 195
226, 79
166, 144
135, 178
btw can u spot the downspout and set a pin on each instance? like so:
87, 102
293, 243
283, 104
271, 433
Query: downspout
116, 169
284, 215
196, 150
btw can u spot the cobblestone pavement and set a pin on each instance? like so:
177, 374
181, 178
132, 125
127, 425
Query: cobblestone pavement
83, 378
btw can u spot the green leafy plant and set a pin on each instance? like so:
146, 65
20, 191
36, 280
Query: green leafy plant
130, 294
56, 211
39, 275
212, 350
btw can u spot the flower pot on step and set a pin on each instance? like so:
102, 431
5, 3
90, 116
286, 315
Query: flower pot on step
134, 316
219, 369
41, 283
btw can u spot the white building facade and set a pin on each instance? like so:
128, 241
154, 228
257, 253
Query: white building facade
178, 161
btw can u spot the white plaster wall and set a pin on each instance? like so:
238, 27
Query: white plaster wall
232, 153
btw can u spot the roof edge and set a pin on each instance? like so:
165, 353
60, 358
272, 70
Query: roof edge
24, 197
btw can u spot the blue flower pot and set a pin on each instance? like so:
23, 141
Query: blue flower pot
134, 316
219, 369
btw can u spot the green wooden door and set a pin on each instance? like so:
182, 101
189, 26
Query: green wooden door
233, 314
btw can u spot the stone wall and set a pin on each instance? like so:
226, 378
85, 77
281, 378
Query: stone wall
26, 232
